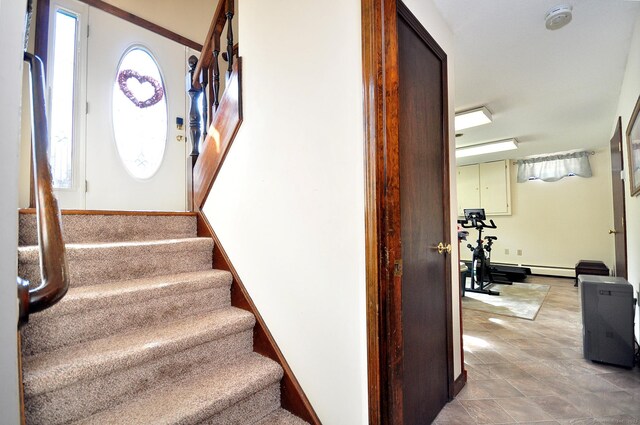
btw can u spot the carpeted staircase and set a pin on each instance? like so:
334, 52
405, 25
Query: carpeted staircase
146, 333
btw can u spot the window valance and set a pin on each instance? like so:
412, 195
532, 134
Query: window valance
554, 167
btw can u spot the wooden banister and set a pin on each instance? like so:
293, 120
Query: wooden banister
53, 264
212, 42
221, 124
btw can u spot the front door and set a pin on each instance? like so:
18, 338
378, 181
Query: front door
620, 229
424, 208
135, 158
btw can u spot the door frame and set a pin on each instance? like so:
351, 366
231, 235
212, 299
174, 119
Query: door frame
42, 42
382, 206
617, 140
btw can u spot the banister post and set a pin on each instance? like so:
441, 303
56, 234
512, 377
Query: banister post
216, 76
194, 114
194, 127
229, 15
204, 82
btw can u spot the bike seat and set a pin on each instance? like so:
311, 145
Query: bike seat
491, 238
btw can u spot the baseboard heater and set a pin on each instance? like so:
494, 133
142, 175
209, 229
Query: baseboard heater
544, 270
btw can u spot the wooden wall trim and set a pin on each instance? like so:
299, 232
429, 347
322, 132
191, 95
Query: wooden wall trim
42, 25
222, 132
384, 313
23, 417
292, 396
459, 383
141, 22
390, 222
373, 102
113, 212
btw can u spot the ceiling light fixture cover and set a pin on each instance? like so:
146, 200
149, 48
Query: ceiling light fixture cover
473, 118
484, 148
558, 16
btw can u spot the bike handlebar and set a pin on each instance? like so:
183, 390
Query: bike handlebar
477, 224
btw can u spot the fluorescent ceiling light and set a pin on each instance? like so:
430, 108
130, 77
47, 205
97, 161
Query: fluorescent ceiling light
473, 118
491, 147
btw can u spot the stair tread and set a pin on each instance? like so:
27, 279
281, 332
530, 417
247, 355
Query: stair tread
135, 290
29, 251
281, 417
109, 226
52, 370
195, 399
99, 263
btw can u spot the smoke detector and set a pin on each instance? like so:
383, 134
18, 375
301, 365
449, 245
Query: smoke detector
558, 17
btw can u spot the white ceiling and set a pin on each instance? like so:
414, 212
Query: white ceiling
552, 90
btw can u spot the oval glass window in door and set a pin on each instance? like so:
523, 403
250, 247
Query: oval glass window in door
139, 113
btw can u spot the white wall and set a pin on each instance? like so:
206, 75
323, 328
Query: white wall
432, 20
556, 224
288, 204
11, 28
628, 97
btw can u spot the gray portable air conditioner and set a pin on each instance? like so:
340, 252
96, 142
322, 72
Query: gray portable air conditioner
607, 319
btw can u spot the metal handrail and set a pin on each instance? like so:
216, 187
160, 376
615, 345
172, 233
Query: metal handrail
53, 263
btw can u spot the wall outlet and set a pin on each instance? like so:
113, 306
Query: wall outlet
519, 252
506, 251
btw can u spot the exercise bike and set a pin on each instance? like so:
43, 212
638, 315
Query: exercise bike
481, 273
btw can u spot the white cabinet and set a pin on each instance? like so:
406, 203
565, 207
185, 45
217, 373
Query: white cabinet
468, 187
485, 185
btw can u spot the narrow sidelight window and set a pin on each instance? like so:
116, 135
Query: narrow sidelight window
62, 95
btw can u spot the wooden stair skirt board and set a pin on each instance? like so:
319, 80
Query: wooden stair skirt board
293, 397
156, 328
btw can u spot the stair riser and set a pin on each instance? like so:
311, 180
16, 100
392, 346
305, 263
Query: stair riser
53, 331
65, 405
247, 411
81, 228
91, 266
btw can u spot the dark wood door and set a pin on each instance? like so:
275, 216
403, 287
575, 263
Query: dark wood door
620, 227
424, 212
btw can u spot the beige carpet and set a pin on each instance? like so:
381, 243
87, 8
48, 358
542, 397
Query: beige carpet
146, 334
518, 300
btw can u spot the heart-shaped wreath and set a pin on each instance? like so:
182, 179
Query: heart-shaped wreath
158, 91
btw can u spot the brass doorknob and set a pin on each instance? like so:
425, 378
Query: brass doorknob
442, 248
613, 232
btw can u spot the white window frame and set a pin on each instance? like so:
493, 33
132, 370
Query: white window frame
81, 12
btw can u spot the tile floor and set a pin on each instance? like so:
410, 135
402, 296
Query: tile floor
533, 372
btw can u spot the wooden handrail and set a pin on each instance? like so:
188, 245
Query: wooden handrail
212, 42
53, 264
207, 70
